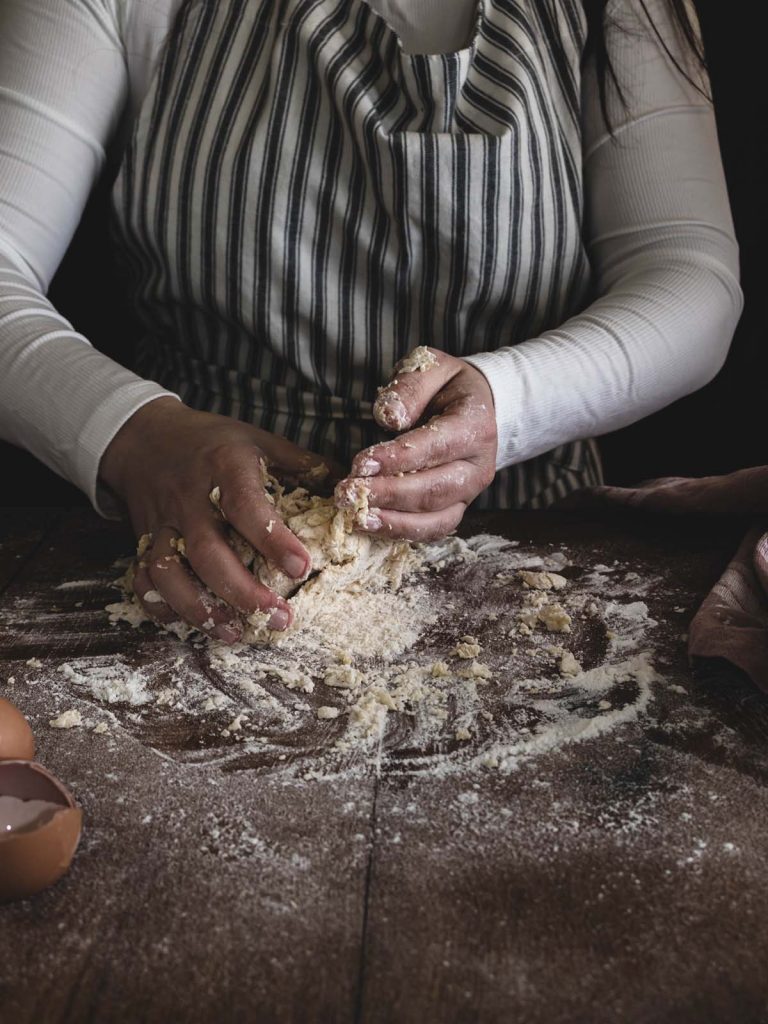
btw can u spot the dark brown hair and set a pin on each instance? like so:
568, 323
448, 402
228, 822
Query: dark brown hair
598, 24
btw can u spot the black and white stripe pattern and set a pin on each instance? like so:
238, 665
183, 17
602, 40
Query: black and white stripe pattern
302, 203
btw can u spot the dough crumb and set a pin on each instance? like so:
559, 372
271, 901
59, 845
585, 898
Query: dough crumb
237, 722
101, 728
292, 678
418, 361
326, 712
468, 648
71, 719
555, 618
543, 580
463, 734
179, 545
145, 542
477, 670
215, 702
34, 663
568, 665
343, 677
537, 608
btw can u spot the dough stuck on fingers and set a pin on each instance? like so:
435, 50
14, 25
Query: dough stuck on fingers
418, 361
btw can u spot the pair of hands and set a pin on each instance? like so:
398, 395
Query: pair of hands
166, 460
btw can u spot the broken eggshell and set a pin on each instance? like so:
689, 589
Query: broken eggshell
36, 853
16, 740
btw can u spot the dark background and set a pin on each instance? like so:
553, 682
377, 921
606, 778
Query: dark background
719, 429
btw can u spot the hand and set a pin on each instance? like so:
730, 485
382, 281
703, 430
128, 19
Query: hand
163, 464
421, 483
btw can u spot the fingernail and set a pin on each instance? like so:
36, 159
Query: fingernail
279, 619
372, 521
389, 411
229, 632
295, 566
368, 467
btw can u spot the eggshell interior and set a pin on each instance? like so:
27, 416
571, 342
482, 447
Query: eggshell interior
32, 860
17, 815
29, 781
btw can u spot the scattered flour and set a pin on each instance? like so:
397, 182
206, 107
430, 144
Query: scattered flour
393, 654
112, 683
561, 727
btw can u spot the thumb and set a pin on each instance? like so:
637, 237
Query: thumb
415, 382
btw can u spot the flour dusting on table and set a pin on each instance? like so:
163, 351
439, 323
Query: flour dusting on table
477, 654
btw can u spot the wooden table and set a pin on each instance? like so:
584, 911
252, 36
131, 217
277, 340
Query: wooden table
623, 879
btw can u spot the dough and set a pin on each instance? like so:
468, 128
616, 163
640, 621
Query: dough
341, 556
467, 648
542, 580
537, 608
419, 360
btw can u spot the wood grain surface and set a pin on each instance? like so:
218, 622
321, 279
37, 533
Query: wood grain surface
620, 879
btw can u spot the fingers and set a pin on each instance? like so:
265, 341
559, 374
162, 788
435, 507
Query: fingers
416, 381
416, 526
221, 570
182, 594
249, 509
428, 491
421, 482
452, 436
150, 599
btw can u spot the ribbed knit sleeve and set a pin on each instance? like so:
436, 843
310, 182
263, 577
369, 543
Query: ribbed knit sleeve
63, 86
660, 238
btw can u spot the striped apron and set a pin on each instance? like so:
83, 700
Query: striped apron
302, 202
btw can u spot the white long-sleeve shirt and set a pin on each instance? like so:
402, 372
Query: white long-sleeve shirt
657, 228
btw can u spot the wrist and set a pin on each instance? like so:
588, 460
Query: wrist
132, 441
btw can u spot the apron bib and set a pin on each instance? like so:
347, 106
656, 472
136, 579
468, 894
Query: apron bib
302, 203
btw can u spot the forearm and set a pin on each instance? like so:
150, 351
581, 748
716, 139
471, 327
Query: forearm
659, 235
59, 398
63, 89
658, 334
